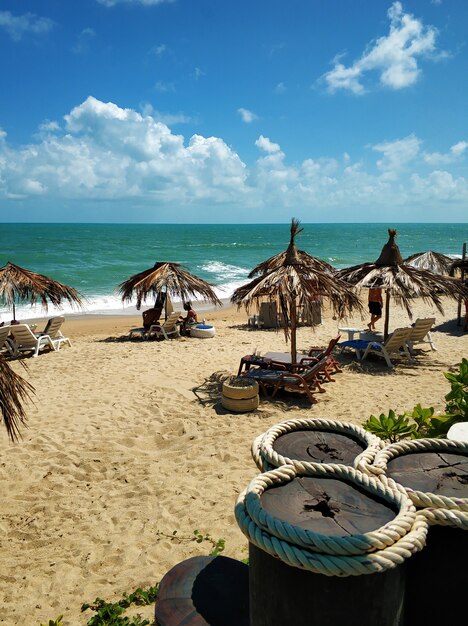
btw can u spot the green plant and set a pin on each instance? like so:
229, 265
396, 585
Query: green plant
55, 622
390, 427
111, 614
423, 421
218, 545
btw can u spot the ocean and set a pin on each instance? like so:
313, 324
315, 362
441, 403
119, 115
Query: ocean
95, 258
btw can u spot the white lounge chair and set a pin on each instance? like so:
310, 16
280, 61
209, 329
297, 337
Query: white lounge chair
53, 330
6, 345
420, 333
395, 343
167, 329
25, 340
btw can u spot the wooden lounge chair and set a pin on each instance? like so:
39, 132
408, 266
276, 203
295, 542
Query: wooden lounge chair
395, 344
53, 330
322, 353
167, 329
307, 381
25, 340
420, 333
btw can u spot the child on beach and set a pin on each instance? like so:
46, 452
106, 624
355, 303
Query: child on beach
375, 307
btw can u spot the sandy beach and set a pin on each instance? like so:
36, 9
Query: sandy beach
120, 452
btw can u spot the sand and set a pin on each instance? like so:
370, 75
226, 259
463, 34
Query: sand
120, 452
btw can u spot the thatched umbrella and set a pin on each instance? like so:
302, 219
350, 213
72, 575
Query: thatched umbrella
434, 261
292, 279
19, 284
13, 391
169, 278
402, 281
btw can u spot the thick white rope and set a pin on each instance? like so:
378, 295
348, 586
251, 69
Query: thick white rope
266, 458
366, 553
423, 499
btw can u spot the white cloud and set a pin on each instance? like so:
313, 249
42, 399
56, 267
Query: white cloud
280, 88
394, 57
101, 152
397, 154
455, 153
159, 49
19, 25
266, 145
247, 116
82, 43
163, 87
170, 119
111, 3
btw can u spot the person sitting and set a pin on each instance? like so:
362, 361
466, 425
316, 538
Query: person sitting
151, 316
189, 320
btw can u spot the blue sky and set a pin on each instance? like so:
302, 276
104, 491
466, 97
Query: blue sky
245, 111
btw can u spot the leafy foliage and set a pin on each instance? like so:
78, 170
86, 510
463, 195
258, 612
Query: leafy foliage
218, 545
421, 422
55, 622
111, 614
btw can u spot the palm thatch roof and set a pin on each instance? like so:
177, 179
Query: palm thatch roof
404, 282
435, 262
20, 284
279, 259
171, 278
13, 391
293, 279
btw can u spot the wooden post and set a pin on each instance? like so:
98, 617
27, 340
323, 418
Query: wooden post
293, 316
282, 595
387, 313
460, 301
319, 446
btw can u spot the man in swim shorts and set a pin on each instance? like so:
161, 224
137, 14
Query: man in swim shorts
375, 307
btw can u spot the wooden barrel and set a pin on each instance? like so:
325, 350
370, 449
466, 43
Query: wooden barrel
435, 474
204, 591
307, 442
314, 548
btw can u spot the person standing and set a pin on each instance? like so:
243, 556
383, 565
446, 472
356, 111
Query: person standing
375, 306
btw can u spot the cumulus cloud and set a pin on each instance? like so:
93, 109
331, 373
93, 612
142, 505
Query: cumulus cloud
454, 154
247, 116
101, 152
393, 57
17, 26
266, 145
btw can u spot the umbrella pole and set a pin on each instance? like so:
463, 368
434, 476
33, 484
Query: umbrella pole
387, 313
14, 312
293, 317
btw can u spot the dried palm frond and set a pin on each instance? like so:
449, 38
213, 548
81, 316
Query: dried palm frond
293, 284
19, 284
171, 278
433, 261
402, 281
14, 390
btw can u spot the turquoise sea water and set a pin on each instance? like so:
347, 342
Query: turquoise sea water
95, 258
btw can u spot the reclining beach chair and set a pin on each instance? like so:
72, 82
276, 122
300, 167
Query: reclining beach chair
24, 340
7, 348
420, 333
167, 329
53, 330
321, 353
395, 344
307, 381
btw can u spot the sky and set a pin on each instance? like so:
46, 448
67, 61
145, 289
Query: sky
221, 111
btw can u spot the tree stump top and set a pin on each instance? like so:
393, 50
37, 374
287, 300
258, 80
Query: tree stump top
327, 506
441, 473
319, 446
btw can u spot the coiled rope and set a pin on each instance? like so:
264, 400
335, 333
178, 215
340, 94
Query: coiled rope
266, 458
366, 553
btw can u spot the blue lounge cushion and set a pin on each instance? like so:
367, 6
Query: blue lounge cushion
357, 344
